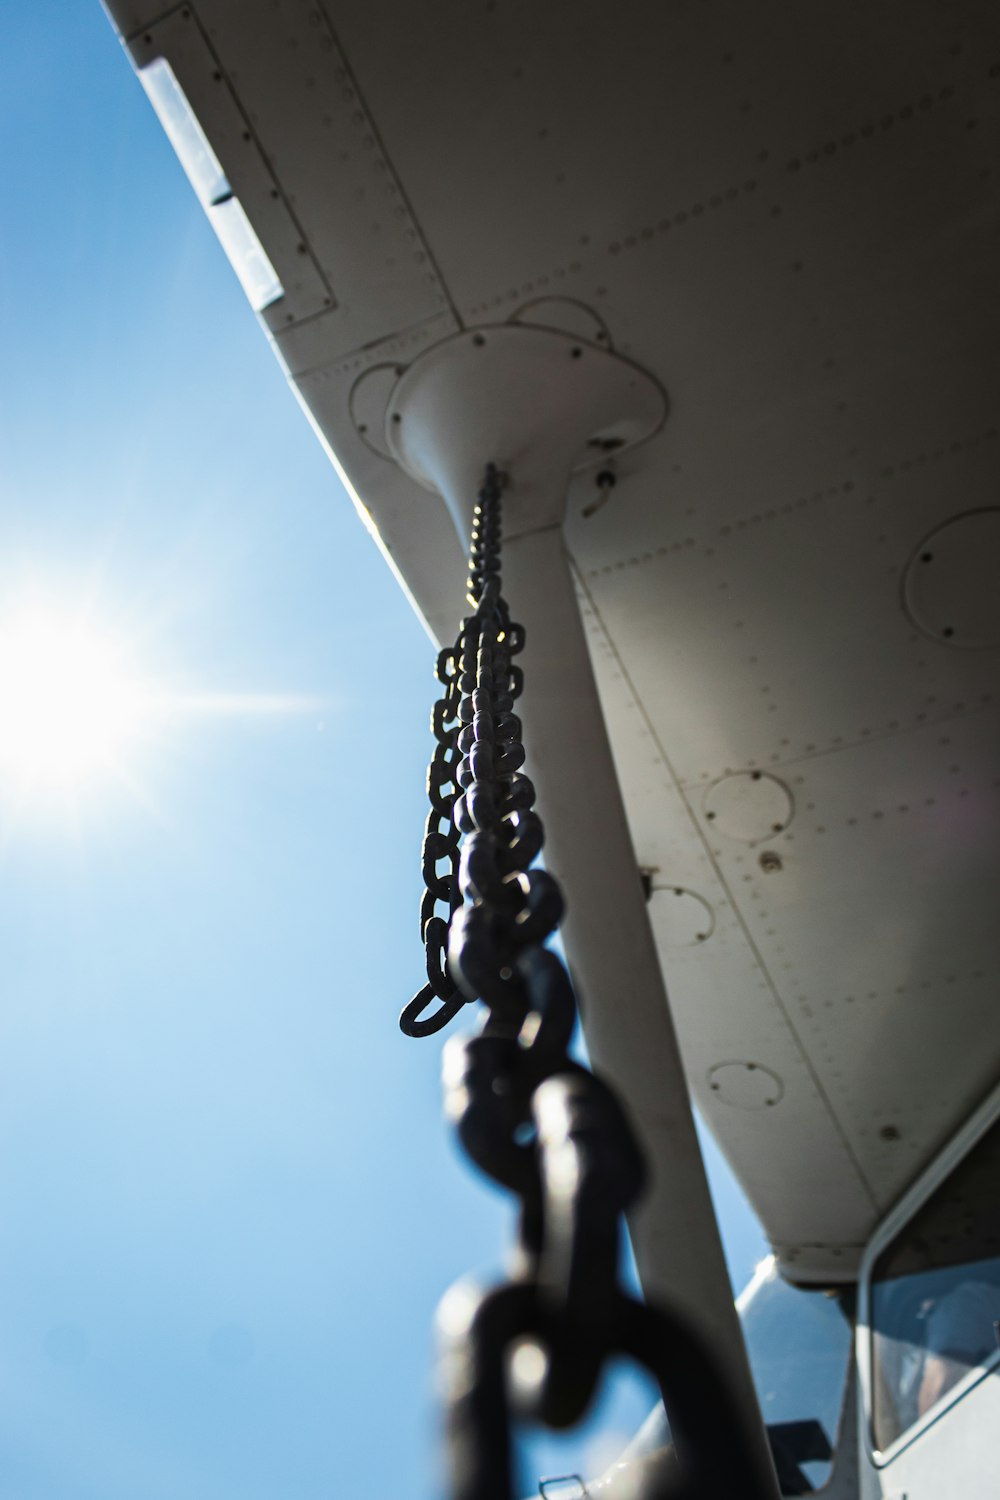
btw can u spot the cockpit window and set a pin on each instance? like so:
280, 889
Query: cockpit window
935, 1297
799, 1344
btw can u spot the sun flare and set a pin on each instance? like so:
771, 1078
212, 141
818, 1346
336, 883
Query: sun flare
71, 702
79, 710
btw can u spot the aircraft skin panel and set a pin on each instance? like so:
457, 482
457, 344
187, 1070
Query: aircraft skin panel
408, 521
789, 216
730, 1010
350, 221
591, 129
837, 989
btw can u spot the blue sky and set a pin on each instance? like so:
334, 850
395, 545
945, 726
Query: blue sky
228, 1206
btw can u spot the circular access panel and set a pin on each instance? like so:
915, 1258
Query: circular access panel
745, 1085
749, 805
565, 314
680, 917
951, 587
368, 402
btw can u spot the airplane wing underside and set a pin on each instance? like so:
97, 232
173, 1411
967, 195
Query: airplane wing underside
788, 214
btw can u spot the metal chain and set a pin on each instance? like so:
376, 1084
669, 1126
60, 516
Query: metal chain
532, 1118
442, 834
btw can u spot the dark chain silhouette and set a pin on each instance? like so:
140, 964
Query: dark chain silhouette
531, 1117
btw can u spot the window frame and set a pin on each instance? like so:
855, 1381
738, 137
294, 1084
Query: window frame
891, 1226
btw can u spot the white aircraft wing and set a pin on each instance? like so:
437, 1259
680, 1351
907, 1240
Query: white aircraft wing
788, 214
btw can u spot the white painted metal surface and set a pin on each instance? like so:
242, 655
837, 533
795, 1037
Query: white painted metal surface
788, 214
537, 402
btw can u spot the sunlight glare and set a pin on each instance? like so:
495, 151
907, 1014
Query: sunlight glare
70, 702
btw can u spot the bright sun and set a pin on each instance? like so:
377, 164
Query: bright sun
70, 702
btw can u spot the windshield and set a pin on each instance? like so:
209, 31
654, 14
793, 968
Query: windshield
935, 1297
799, 1343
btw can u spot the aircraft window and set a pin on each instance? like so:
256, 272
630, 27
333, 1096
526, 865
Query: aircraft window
799, 1344
935, 1297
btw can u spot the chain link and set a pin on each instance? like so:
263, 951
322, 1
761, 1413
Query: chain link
442, 834
532, 1118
